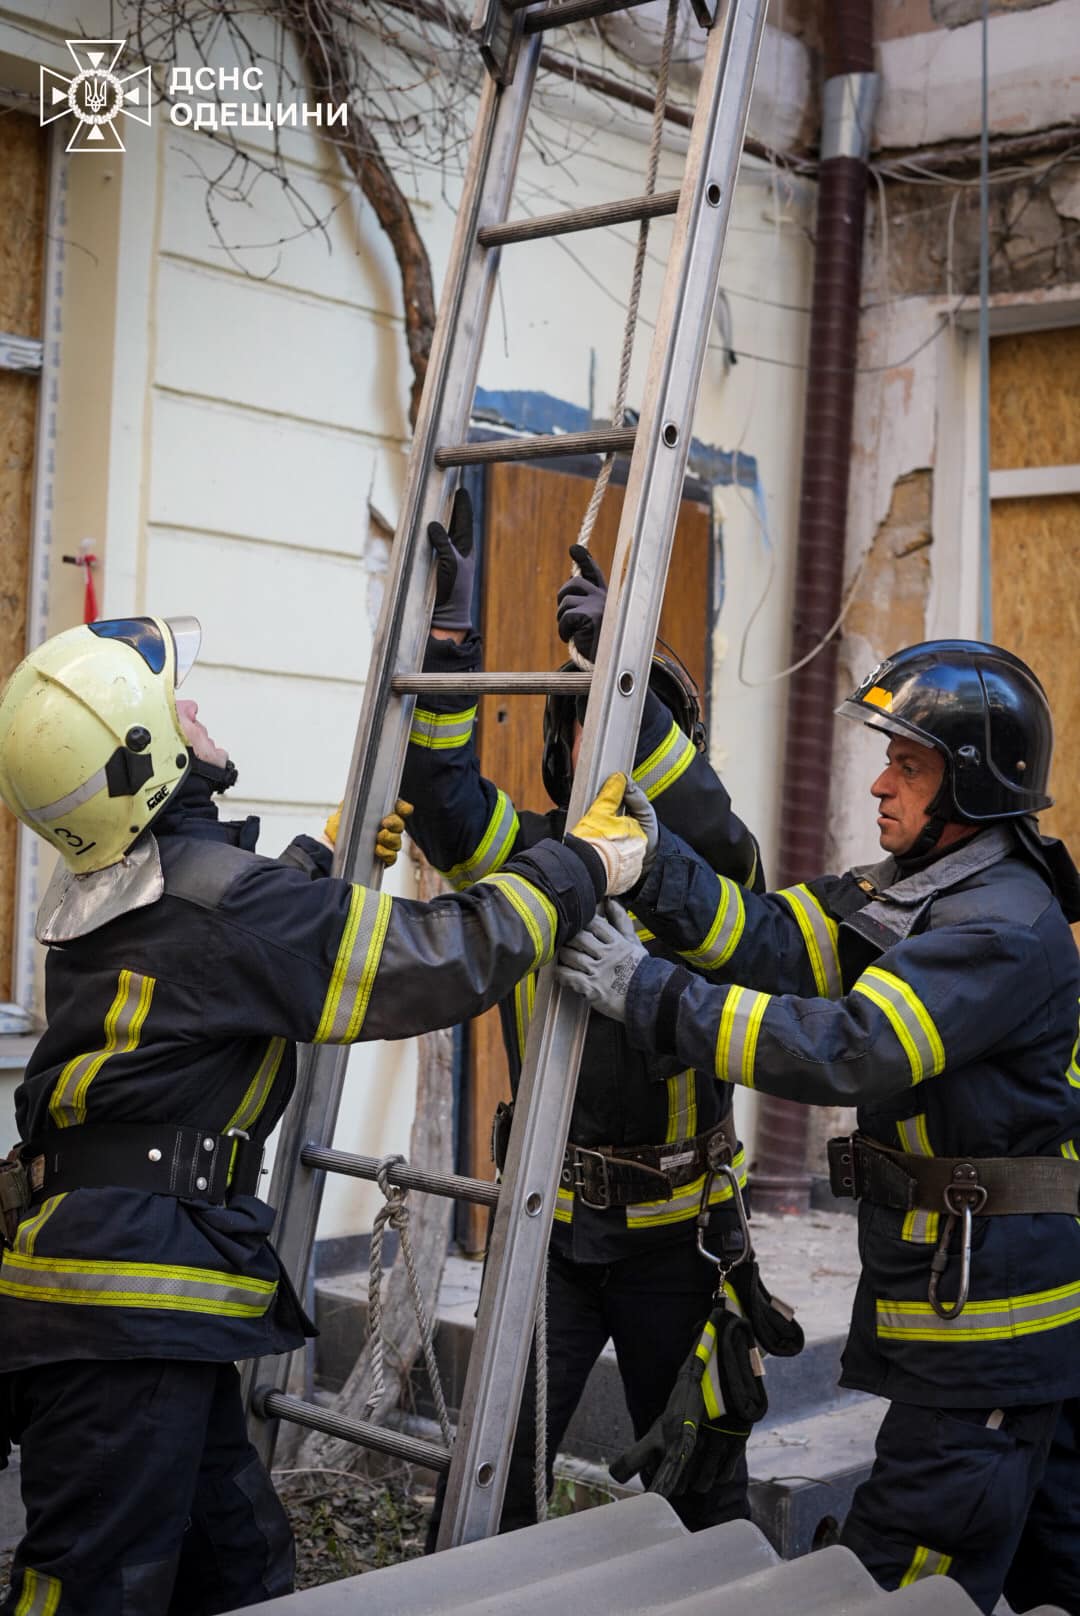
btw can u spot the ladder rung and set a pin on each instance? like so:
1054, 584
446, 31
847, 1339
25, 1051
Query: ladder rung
492, 684
271, 1404
615, 440
558, 16
564, 224
451, 1185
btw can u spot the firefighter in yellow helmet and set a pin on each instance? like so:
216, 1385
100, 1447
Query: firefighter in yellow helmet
182, 970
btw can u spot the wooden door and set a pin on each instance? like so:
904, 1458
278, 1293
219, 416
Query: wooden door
532, 517
22, 240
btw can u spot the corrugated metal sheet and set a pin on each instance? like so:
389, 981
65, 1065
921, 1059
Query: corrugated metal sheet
628, 1558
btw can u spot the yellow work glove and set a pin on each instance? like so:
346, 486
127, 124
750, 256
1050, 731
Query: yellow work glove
388, 840
623, 841
391, 830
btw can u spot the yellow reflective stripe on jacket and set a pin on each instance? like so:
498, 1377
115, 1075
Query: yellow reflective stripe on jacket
919, 1226
257, 1092
1001, 1320
681, 1108
722, 937
737, 1035
353, 976
524, 1001
441, 732
40, 1594
1069, 1149
909, 1018
564, 1206
534, 909
819, 934
30, 1228
686, 1201
493, 849
128, 1284
641, 931
711, 1393
925, 1563
663, 767
123, 1025
1073, 1069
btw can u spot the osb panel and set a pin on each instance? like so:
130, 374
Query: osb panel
889, 607
22, 209
1035, 399
18, 411
1035, 555
22, 237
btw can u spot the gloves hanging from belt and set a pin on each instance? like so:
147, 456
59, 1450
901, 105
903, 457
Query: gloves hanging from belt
776, 1329
719, 1394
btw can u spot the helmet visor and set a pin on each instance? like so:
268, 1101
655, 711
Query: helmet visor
187, 637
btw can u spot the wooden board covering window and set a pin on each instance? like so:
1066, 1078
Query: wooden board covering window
532, 518
1035, 543
22, 239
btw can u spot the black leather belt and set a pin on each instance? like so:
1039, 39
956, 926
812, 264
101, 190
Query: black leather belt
603, 1176
160, 1158
990, 1186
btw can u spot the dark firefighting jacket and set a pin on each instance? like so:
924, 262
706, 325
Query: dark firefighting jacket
943, 1005
468, 827
187, 1012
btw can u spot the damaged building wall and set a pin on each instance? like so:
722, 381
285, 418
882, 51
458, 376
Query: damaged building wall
912, 422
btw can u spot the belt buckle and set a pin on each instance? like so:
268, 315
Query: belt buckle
579, 1179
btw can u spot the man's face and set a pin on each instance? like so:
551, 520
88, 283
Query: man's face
195, 734
905, 788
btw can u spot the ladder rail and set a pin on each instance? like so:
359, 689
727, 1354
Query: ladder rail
517, 1250
383, 730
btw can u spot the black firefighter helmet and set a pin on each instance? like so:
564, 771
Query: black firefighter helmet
978, 705
669, 679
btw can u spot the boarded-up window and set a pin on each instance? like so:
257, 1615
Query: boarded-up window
22, 238
1035, 551
532, 517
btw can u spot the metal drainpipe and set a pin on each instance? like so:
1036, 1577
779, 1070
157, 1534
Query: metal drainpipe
781, 1182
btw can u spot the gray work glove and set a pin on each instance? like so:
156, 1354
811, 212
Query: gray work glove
599, 963
580, 604
455, 568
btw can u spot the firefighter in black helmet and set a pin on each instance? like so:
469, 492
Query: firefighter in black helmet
623, 1262
937, 991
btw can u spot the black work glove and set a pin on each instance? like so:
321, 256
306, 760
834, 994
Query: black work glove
580, 604
776, 1329
455, 567
719, 1393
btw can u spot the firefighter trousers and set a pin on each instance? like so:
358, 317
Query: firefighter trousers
143, 1495
949, 1494
1046, 1566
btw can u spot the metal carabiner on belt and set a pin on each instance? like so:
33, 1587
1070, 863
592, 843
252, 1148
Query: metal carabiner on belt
724, 1264
964, 1197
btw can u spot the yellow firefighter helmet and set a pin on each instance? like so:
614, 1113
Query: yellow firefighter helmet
91, 747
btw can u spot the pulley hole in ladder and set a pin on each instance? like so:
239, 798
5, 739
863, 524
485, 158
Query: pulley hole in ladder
533, 1203
626, 683
712, 194
485, 1475
502, 714
670, 434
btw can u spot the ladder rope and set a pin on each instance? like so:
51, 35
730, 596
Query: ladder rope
592, 510
394, 1213
540, 1487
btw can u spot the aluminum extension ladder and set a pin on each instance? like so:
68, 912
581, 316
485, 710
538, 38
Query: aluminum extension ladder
510, 33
